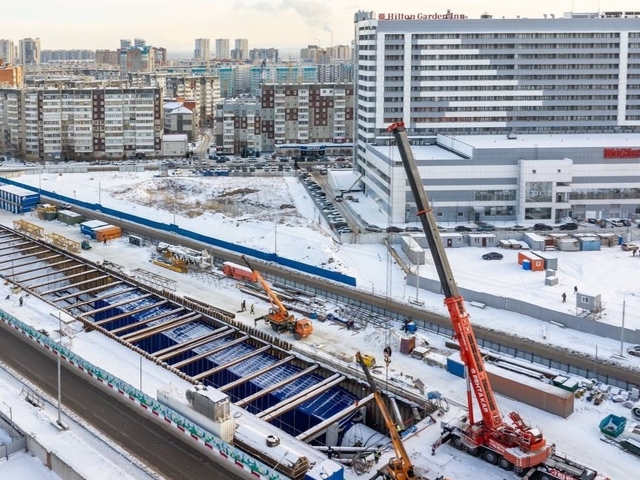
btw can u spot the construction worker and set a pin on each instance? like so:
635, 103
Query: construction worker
564, 297
252, 310
21, 300
575, 289
243, 306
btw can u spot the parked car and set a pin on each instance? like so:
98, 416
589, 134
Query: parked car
492, 256
463, 228
486, 227
393, 229
372, 228
542, 226
634, 350
629, 247
413, 229
519, 228
569, 226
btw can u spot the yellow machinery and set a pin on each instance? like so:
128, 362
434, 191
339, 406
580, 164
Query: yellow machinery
171, 263
62, 242
33, 231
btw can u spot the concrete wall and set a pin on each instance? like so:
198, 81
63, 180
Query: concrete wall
52, 461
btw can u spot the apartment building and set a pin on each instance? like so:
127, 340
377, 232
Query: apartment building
450, 78
302, 113
29, 51
106, 57
222, 49
203, 90
10, 75
50, 56
241, 50
202, 49
271, 55
50, 124
8, 51
238, 126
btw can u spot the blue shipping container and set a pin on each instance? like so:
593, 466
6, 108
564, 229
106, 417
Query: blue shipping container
455, 367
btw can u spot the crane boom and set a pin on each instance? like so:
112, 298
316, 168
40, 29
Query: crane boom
400, 467
273, 298
492, 433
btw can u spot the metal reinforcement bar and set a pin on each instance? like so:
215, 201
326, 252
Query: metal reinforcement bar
180, 348
320, 428
38, 268
101, 297
49, 282
130, 313
210, 352
255, 374
74, 285
37, 260
276, 386
48, 274
146, 320
233, 362
155, 329
115, 305
300, 398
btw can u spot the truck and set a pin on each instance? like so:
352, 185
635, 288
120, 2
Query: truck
278, 316
511, 445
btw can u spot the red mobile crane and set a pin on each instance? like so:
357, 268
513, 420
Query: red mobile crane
510, 445
279, 317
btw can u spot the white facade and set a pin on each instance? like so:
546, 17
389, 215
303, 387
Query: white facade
202, 49
241, 49
29, 51
174, 145
456, 76
222, 49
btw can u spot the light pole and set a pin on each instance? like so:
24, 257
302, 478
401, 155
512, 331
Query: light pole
373, 295
624, 300
59, 382
99, 193
275, 240
10, 413
141, 373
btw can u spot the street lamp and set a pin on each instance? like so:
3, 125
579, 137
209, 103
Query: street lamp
624, 301
59, 383
373, 295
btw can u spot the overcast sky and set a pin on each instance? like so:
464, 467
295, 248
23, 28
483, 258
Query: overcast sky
100, 24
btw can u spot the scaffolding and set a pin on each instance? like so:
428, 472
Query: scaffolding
64, 243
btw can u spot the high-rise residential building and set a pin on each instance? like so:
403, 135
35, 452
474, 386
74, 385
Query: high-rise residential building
29, 51
340, 52
125, 43
202, 90
241, 50
238, 127
7, 51
139, 42
106, 57
306, 113
50, 56
271, 55
568, 82
222, 49
202, 49
10, 75
75, 123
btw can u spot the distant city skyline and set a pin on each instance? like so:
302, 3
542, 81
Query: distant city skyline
69, 24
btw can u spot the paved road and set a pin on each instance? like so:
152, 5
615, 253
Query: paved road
149, 442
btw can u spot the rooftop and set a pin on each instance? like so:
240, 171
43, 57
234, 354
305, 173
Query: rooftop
604, 140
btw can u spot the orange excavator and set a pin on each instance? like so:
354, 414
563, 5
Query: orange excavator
511, 445
279, 317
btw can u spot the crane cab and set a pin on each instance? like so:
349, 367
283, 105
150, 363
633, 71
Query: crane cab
304, 328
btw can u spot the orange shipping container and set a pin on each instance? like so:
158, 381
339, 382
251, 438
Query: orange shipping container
108, 233
537, 263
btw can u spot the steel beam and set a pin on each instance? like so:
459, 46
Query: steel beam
132, 312
62, 270
39, 268
155, 329
233, 362
116, 305
26, 250
304, 396
180, 348
200, 356
102, 297
14, 245
280, 384
37, 260
146, 320
73, 285
255, 374
49, 282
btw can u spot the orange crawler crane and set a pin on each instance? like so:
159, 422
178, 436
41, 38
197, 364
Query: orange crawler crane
279, 317
512, 446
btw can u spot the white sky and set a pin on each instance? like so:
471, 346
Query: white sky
70, 24
611, 271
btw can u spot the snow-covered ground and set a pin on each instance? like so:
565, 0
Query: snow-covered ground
298, 234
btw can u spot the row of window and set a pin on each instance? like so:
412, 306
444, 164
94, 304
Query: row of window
562, 108
515, 88
441, 36
559, 118
453, 78
519, 46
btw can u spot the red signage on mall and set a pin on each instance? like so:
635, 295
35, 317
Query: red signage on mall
421, 16
622, 153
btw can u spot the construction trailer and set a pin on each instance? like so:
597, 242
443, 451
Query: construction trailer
17, 199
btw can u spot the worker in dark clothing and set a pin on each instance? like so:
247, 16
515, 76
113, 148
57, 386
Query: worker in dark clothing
252, 310
21, 301
564, 297
243, 306
575, 289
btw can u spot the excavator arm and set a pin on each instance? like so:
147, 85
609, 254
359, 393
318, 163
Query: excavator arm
399, 468
273, 298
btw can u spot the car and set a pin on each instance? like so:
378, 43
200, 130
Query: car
372, 228
634, 350
463, 228
393, 229
593, 221
492, 256
569, 226
629, 247
486, 227
413, 229
66, 206
542, 226
519, 228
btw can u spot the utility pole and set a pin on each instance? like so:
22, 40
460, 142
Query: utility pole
624, 300
59, 382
